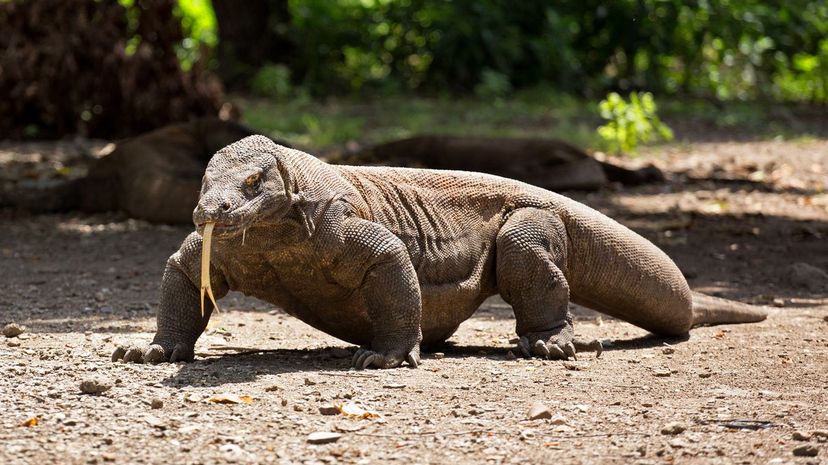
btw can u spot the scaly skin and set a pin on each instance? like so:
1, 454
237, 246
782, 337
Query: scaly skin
392, 258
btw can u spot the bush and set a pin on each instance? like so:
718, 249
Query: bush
631, 123
272, 81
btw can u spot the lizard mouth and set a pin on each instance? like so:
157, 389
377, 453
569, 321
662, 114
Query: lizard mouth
222, 229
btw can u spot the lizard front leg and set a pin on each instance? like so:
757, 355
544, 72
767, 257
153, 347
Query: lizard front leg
179, 319
375, 263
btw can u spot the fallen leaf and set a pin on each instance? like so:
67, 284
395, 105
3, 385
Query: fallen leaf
30, 422
354, 411
230, 399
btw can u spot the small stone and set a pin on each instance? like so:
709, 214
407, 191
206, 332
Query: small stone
806, 450
820, 434
439, 355
309, 382
272, 388
668, 350
576, 366
323, 437
539, 411
156, 404
13, 343
94, 386
13, 330
825, 318
677, 444
393, 386
673, 427
298, 408
801, 436
328, 410
778, 302
661, 372
804, 276
705, 375
510, 355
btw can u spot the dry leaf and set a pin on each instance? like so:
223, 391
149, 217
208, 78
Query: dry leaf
354, 411
230, 399
30, 422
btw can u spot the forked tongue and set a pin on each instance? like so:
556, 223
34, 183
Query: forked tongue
206, 241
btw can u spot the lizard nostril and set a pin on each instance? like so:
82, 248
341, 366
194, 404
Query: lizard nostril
225, 206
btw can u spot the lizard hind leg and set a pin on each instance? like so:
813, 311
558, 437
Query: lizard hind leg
531, 257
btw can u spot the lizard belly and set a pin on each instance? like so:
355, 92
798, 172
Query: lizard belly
306, 291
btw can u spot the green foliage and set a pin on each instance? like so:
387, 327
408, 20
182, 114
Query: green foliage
727, 49
631, 123
199, 24
493, 85
272, 81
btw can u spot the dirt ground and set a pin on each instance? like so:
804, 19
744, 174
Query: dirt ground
741, 220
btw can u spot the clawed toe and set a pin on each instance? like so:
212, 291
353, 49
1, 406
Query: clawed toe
546, 346
366, 358
155, 353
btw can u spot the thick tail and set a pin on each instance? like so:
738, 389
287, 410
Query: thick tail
708, 310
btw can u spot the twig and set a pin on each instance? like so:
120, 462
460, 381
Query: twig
479, 431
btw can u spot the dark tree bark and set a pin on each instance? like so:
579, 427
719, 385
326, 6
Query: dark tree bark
251, 34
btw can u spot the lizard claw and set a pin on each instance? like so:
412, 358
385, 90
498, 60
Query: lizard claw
154, 353
559, 343
367, 358
523, 346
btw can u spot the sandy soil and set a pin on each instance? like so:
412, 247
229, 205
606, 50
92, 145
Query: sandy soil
740, 220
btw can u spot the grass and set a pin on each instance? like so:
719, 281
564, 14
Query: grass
314, 125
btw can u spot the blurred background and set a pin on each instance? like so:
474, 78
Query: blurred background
322, 73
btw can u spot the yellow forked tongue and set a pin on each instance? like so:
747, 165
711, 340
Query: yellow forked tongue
206, 240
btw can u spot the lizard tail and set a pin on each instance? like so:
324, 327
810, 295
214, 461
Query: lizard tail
709, 310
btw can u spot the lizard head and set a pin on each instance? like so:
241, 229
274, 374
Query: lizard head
243, 183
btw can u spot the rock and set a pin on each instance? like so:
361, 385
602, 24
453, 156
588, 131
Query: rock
13, 330
328, 410
668, 350
820, 434
156, 404
94, 386
310, 382
801, 436
576, 366
393, 386
661, 372
677, 444
510, 355
539, 411
674, 427
806, 450
323, 437
439, 355
825, 318
805, 276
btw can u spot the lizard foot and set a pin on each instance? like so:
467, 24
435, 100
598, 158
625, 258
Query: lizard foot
365, 358
155, 353
557, 344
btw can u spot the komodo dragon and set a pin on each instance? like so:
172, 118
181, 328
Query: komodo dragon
392, 258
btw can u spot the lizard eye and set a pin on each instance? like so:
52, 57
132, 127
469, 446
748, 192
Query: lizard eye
253, 180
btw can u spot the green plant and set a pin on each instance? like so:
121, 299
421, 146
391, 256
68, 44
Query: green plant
631, 123
493, 84
272, 81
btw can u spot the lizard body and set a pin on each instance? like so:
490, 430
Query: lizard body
392, 258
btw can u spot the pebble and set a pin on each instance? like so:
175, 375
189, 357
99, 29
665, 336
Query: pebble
510, 355
94, 386
393, 386
674, 427
13, 330
323, 437
668, 350
661, 372
801, 436
328, 410
806, 450
820, 434
439, 355
156, 403
539, 411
